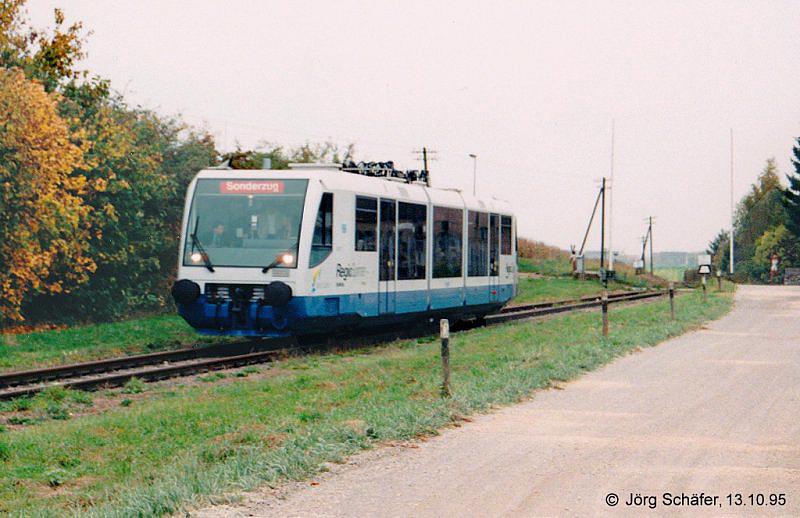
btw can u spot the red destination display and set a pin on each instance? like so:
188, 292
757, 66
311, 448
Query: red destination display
251, 187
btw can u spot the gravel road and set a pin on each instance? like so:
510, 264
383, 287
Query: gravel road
715, 411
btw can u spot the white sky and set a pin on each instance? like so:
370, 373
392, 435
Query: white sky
530, 87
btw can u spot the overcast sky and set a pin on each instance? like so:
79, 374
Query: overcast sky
530, 87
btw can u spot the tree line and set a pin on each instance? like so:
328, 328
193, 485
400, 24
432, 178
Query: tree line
766, 225
92, 188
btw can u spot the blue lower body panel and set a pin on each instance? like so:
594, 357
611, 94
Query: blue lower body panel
329, 313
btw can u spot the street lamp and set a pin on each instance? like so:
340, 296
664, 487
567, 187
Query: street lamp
474, 172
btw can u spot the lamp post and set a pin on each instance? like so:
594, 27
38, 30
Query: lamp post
474, 172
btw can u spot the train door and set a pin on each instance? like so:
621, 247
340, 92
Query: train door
494, 257
387, 283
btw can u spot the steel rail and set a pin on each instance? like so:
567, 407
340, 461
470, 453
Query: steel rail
550, 304
157, 366
593, 302
59, 372
153, 373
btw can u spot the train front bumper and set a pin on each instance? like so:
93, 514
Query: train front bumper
237, 317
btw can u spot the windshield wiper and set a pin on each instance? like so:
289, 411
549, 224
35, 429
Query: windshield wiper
196, 244
281, 258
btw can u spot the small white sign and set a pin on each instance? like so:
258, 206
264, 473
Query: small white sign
704, 259
444, 328
638, 264
704, 269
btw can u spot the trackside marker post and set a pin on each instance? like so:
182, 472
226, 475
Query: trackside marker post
444, 334
604, 301
704, 269
672, 301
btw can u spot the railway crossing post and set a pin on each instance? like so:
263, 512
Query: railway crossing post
444, 334
705, 295
704, 269
604, 305
672, 301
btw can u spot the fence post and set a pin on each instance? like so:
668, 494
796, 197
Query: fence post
444, 334
705, 295
719, 281
604, 305
672, 301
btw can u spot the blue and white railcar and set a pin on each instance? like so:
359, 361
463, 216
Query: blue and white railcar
316, 249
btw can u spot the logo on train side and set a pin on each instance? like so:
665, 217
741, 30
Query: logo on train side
347, 272
251, 187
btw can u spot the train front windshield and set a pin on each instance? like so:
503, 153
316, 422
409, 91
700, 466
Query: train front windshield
245, 223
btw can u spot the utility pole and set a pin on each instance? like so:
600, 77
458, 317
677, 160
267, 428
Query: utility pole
611, 205
644, 248
474, 158
732, 206
424, 152
603, 231
650, 232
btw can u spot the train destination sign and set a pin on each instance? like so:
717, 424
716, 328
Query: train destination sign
251, 187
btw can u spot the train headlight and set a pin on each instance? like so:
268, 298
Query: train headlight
196, 257
287, 258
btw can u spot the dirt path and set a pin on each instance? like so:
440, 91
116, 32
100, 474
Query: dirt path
715, 411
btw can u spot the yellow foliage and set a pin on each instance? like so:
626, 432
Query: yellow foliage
43, 220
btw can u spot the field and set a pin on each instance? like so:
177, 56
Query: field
674, 274
156, 449
559, 288
95, 341
162, 332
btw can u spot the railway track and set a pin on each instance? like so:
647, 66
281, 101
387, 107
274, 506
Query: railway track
181, 362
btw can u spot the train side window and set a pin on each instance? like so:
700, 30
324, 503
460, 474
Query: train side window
447, 241
387, 239
494, 245
505, 235
411, 218
322, 242
478, 238
366, 224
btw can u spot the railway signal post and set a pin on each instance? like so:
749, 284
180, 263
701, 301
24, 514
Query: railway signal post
672, 301
704, 269
444, 334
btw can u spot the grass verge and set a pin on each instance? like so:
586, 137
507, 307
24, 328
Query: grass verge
96, 341
530, 290
158, 333
172, 447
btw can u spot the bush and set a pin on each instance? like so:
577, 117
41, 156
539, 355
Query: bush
133, 386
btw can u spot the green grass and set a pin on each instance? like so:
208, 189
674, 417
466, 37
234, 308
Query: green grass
548, 267
91, 342
156, 333
562, 288
177, 446
674, 274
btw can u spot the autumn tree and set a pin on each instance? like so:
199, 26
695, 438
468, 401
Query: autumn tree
777, 240
718, 249
43, 220
123, 192
791, 195
760, 210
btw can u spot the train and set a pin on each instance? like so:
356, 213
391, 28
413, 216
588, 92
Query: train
323, 248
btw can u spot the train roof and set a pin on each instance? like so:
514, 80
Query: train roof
334, 179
